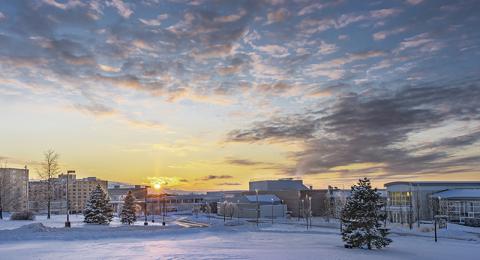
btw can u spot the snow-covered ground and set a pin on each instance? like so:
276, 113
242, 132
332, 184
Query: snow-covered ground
285, 239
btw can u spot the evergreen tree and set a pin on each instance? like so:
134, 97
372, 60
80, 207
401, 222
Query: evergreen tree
128, 211
98, 209
362, 216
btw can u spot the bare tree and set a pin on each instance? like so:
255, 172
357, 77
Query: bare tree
49, 170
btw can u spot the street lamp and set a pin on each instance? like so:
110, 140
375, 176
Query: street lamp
272, 211
386, 212
258, 206
157, 187
238, 211
67, 223
145, 223
435, 218
310, 210
164, 211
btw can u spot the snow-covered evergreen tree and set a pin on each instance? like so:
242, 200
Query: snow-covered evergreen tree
362, 216
98, 209
128, 215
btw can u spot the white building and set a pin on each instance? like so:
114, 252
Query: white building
460, 205
409, 201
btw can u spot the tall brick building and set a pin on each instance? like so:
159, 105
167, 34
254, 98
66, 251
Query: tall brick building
78, 193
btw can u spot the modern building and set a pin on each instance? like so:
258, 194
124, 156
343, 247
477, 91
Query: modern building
246, 206
411, 201
118, 193
459, 205
13, 189
78, 193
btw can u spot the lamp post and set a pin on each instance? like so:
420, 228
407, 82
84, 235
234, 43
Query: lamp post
156, 186
258, 206
238, 211
160, 206
164, 211
272, 211
386, 212
435, 219
145, 223
310, 210
225, 212
67, 223
299, 196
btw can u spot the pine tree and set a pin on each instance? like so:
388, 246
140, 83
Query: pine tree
98, 209
362, 216
128, 211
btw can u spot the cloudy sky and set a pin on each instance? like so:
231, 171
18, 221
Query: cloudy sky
210, 94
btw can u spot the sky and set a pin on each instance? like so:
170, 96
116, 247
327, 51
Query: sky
207, 95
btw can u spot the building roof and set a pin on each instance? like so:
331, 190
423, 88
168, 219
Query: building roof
433, 183
458, 194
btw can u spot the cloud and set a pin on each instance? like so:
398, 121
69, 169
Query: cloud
122, 8
232, 17
280, 128
422, 42
277, 16
375, 129
229, 184
414, 2
274, 50
326, 48
382, 35
154, 22
384, 13
96, 109
334, 69
215, 177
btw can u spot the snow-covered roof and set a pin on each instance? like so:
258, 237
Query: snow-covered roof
458, 193
262, 198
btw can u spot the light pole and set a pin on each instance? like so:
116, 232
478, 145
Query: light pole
238, 211
157, 187
225, 212
164, 211
310, 210
145, 223
386, 212
67, 223
299, 197
435, 218
258, 206
272, 211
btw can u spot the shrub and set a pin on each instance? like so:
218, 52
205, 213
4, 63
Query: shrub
23, 215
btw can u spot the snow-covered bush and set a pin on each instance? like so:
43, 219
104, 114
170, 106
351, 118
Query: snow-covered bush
98, 209
362, 217
23, 215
